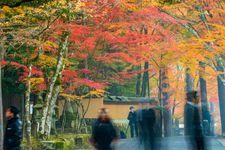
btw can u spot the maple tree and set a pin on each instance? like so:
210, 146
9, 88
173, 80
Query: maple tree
209, 14
155, 46
37, 52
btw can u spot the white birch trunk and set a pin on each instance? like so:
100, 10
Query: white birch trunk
51, 110
53, 100
47, 113
27, 110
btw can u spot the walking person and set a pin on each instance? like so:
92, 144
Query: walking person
193, 122
132, 118
103, 132
149, 119
140, 122
13, 132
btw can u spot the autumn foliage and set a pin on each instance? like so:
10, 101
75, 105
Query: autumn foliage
108, 39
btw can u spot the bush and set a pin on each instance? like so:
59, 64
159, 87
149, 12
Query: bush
82, 141
74, 141
36, 144
53, 145
123, 127
61, 142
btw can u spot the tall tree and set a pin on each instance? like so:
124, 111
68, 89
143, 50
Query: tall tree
221, 94
210, 17
203, 93
167, 114
1, 102
145, 81
138, 82
188, 80
49, 101
27, 109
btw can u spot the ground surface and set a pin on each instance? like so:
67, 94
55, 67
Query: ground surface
173, 143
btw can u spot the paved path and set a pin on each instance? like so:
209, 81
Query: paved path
173, 143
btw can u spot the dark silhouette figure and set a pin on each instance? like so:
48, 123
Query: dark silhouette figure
13, 132
148, 133
206, 121
193, 123
122, 135
103, 132
140, 123
132, 117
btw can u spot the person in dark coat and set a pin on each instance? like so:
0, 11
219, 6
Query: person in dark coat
103, 132
148, 134
13, 132
132, 118
193, 121
140, 122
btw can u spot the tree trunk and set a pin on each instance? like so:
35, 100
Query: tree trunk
64, 117
54, 100
189, 81
203, 88
1, 104
45, 126
173, 111
160, 101
51, 110
221, 94
145, 81
138, 83
27, 110
203, 93
212, 127
167, 118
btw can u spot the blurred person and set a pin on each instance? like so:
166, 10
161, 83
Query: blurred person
148, 134
122, 135
132, 118
103, 132
206, 124
13, 132
140, 122
193, 121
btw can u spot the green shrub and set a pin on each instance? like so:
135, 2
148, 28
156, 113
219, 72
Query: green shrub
123, 127
53, 145
61, 142
84, 139
74, 141
36, 144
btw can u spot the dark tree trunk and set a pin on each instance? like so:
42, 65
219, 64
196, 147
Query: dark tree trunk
188, 81
204, 100
145, 81
160, 100
2, 53
1, 109
138, 84
212, 129
167, 118
203, 88
148, 87
221, 94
